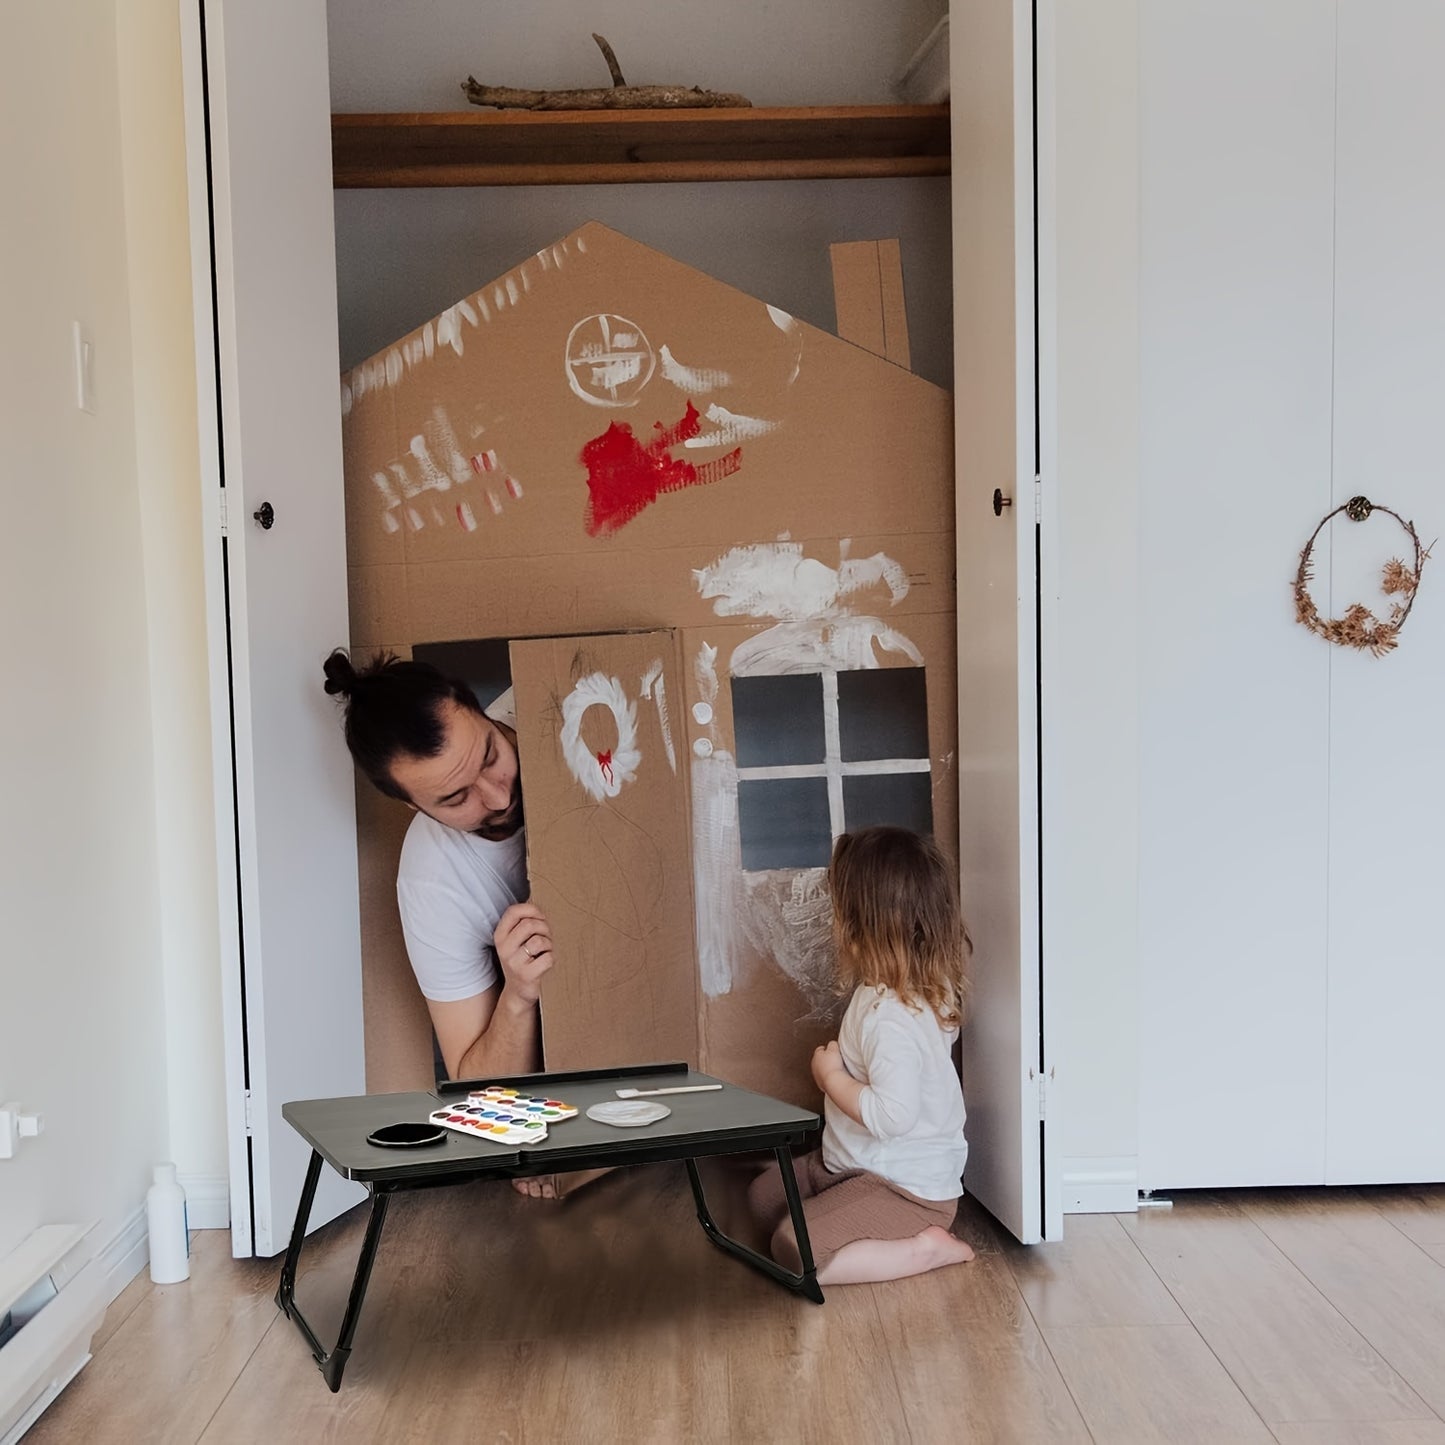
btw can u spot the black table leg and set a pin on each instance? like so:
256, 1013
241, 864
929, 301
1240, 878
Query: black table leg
330, 1362
805, 1283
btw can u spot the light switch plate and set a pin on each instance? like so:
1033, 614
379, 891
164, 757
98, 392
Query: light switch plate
84, 346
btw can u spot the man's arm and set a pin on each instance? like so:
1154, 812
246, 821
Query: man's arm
489, 1035
497, 1032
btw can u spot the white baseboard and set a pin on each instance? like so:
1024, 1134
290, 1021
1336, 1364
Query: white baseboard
208, 1200
1101, 1185
126, 1254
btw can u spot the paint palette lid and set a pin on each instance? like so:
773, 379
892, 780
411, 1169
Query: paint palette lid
406, 1136
628, 1113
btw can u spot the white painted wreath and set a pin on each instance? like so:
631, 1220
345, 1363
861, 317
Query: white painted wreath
603, 773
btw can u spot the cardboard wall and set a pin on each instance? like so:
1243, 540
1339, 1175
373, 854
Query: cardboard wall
604, 441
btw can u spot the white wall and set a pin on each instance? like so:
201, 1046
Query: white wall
93, 566
404, 255
164, 383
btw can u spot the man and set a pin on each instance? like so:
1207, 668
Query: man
478, 948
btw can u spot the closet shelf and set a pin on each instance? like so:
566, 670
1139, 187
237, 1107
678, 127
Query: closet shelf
562, 148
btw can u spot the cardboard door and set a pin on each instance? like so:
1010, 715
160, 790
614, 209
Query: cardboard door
609, 846
1005, 1058
259, 153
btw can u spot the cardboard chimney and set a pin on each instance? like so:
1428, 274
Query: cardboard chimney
712, 549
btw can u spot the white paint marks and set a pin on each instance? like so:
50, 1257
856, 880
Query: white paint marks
654, 688
442, 440
581, 243
775, 579
844, 644
432, 476
702, 713
703, 747
789, 327
705, 671
345, 397
716, 869
466, 518
729, 428
514, 295
608, 360
698, 380
788, 918
601, 773
389, 522
429, 340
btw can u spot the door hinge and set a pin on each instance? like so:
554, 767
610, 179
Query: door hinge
248, 1115
1038, 499
1043, 1080
225, 519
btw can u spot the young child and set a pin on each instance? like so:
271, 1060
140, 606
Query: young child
880, 1195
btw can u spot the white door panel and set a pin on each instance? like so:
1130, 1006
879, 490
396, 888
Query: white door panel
995, 401
258, 110
1386, 765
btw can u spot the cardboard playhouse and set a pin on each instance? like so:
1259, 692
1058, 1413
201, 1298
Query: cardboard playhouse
712, 550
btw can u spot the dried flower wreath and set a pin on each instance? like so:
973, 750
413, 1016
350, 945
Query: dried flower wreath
1359, 627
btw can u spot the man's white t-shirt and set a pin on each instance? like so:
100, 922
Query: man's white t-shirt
451, 888
912, 1102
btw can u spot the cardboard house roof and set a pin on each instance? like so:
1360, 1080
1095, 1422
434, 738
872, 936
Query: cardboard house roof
606, 441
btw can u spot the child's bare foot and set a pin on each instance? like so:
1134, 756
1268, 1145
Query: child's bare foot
556, 1186
868, 1261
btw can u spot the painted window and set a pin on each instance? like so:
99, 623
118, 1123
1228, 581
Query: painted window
820, 753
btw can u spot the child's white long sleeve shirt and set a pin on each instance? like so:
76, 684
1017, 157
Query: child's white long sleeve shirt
912, 1102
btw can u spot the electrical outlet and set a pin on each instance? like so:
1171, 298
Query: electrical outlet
16, 1125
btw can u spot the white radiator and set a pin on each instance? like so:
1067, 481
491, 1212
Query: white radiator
53, 1295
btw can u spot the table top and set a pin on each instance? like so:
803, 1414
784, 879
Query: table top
727, 1120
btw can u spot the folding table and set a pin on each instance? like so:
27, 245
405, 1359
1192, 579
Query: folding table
729, 1120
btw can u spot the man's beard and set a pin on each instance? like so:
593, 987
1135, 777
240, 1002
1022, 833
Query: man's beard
505, 825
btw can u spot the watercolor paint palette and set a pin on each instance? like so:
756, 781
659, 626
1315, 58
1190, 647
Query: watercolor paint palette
503, 1116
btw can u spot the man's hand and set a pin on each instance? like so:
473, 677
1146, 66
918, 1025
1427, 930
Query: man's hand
524, 949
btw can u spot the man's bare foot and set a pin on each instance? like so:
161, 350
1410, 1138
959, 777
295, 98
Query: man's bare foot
556, 1186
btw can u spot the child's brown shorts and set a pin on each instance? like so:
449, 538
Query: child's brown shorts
840, 1208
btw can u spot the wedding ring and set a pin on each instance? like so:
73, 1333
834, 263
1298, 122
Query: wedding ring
528, 952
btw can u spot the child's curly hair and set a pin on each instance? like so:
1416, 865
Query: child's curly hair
897, 922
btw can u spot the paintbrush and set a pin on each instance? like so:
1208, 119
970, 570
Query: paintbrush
678, 1089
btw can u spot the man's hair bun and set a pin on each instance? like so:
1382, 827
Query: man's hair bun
340, 674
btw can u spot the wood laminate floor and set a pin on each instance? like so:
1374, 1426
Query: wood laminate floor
1292, 1316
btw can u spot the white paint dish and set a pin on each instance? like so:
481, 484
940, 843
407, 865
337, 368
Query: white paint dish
628, 1113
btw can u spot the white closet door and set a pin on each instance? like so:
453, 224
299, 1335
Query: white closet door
259, 137
1012, 1152
1237, 200
1387, 715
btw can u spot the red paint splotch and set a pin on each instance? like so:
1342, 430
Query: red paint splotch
604, 764
624, 475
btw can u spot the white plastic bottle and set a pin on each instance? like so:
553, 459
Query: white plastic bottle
170, 1235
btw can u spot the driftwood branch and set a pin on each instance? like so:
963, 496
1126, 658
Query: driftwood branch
611, 58
617, 97
620, 96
